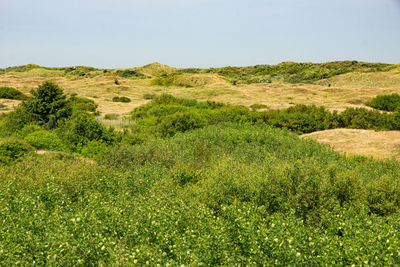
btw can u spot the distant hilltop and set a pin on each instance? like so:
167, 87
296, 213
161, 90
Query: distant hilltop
290, 72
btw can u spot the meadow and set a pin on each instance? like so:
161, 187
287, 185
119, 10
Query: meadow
162, 166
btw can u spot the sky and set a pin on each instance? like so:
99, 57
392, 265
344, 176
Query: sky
197, 33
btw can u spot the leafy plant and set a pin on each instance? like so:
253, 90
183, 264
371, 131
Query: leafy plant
111, 116
43, 139
122, 99
11, 93
47, 106
13, 150
385, 102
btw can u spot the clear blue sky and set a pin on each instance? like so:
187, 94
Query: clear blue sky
197, 33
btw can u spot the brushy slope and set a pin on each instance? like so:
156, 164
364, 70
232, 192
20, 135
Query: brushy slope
227, 194
289, 72
292, 72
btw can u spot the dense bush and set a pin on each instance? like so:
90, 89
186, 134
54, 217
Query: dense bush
130, 74
122, 99
13, 150
44, 140
11, 93
385, 102
290, 72
48, 105
160, 113
228, 194
82, 104
94, 149
81, 129
181, 122
111, 116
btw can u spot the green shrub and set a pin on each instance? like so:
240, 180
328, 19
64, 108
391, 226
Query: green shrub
181, 122
111, 116
11, 93
94, 149
122, 99
361, 118
130, 74
45, 140
228, 194
14, 121
81, 129
385, 102
82, 104
48, 105
13, 150
254, 107
28, 129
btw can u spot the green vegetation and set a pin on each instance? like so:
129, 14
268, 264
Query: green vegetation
132, 74
46, 140
165, 115
83, 128
385, 102
122, 99
13, 150
192, 183
255, 107
11, 93
290, 72
111, 116
82, 104
227, 194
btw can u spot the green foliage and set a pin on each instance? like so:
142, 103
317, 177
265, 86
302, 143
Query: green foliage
13, 150
181, 122
15, 121
254, 107
47, 106
159, 117
82, 104
290, 72
94, 149
22, 68
122, 99
111, 116
43, 139
130, 74
81, 71
228, 194
11, 93
385, 102
81, 129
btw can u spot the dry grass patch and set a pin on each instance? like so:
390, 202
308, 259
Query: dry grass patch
379, 145
348, 90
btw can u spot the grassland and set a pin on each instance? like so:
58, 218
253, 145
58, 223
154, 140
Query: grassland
185, 180
348, 85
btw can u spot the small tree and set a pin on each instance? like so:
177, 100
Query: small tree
48, 105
